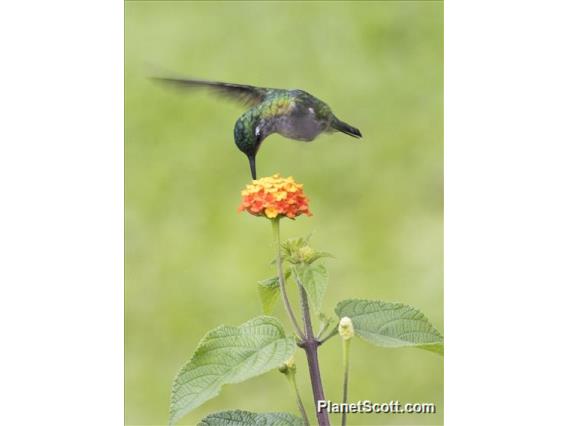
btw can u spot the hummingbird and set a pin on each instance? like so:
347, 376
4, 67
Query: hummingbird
294, 114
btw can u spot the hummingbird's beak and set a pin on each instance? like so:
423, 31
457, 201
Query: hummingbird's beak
252, 166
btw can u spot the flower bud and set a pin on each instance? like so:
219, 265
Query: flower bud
346, 330
305, 254
289, 367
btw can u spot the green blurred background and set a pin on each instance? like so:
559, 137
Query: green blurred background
192, 261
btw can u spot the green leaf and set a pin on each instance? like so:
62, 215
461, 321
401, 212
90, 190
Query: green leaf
320, 255
269, 290
229, 355
314, 279
246, 418
391, 325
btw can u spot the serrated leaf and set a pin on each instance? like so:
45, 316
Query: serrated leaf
320, 255
247, 418
269, 290
391, 325
229, 355
314, 279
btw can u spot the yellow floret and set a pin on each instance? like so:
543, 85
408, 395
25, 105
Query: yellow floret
271, 212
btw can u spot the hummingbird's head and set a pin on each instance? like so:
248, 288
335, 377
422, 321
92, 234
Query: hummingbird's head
248, 138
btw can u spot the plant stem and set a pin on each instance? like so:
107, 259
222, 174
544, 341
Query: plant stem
332, 333
308, 341
346, 343
281, 281
310, 345
292, 380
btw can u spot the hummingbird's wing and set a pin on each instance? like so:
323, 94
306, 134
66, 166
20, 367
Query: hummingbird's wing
248, 95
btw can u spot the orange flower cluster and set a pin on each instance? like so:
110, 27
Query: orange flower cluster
275, 197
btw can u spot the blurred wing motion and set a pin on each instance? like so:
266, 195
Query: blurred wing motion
248, 95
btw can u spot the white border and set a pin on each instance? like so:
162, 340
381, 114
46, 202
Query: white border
61, 213
506, 188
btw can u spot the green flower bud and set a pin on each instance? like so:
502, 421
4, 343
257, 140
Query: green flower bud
289, 367
305, 253
346, 330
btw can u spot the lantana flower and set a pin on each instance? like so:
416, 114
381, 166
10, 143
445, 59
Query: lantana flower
275, 197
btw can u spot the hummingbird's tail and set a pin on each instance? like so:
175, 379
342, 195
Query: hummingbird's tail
346, 128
